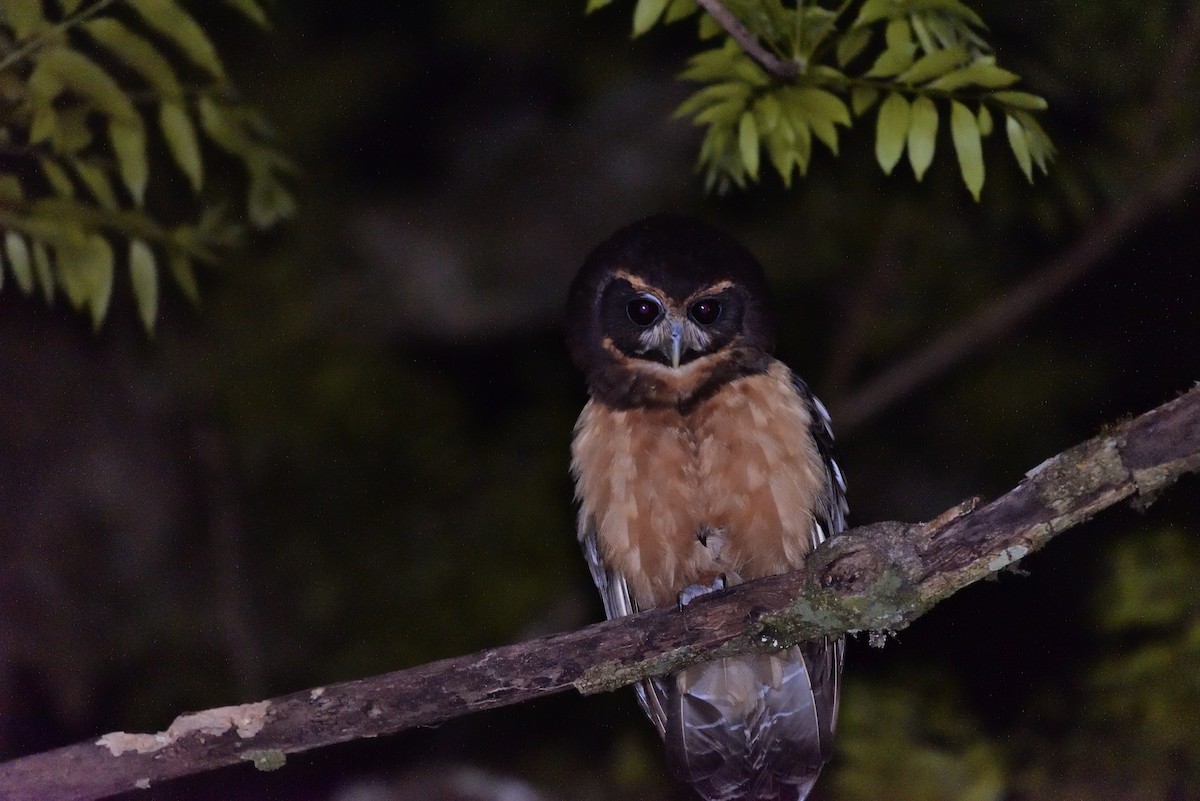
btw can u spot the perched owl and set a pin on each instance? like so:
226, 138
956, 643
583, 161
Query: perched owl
700, 462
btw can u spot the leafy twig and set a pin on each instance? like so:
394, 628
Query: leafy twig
784, 69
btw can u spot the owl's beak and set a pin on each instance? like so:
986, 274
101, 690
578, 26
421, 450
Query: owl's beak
676, 342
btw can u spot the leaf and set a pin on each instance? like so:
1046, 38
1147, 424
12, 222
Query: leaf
851, 44
822, 111
86, 78
922, 135
169, 19
1040, 146
875, 10
748, 143
936, 63
862, 98
595, 5
710, 95
60, 182
646, 13
17, 250
892, 61
891, 131
985, 120
254, 12
964, 129
93, 267
129, 143
44, 124
922, 34
24, 17
143, 274
1020, 146
268, 201
180, 134
781, 147
143, 57
185, 276
96, 180
41, 268
679, 9
981, 73
1023, 100
898, 34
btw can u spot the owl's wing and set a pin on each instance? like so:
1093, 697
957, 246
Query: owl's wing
614, 592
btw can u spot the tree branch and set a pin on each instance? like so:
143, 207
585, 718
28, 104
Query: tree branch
874, 578
780, 68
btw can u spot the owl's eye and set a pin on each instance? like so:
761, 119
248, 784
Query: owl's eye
643, 310
706, 311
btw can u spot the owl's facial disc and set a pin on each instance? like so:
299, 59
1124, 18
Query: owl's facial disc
650, 326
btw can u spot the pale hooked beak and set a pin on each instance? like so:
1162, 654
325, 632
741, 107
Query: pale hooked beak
676, 342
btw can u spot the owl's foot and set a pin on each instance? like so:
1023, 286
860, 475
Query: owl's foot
694, 591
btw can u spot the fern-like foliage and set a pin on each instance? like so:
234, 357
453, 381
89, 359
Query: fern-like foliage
106, 106
821, 66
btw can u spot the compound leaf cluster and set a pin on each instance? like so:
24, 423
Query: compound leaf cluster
815, 68
102, 101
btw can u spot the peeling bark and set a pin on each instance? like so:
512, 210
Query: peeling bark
874, 578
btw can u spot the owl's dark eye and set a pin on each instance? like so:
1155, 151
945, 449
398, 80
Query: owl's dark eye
643, 310
706, 311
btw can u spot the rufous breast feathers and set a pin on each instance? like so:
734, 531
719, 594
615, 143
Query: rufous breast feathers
678, 499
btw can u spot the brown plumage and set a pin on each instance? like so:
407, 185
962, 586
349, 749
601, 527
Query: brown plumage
699, 460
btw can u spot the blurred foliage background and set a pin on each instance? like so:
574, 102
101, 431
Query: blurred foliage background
353, 457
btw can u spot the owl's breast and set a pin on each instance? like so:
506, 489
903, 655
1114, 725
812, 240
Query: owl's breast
728, 488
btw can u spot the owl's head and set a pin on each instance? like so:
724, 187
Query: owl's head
666, 309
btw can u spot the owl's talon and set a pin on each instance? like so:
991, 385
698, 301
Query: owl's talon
694, 591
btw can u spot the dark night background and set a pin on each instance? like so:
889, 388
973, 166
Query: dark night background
353, 458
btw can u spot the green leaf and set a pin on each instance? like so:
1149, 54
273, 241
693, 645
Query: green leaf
17, 250
709, 95
646, 13
875, 10
892, 61
254, 12
936, 63
143, 57
891, 131
748, 143
679, 9
851, 44
129, 143
169, 19
781, 147
60, 182
595, 5
180, 134
143, 273
24, 17
41, 268
862, 98
185, 276
922, 34
96, 180
985, 121
44, 124
96, 261
1040, 146
86, 78
823, 111
922, 135
981, 73
1020, 146
898, 34
767, 113
964, 130
1022, 100
268, 201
